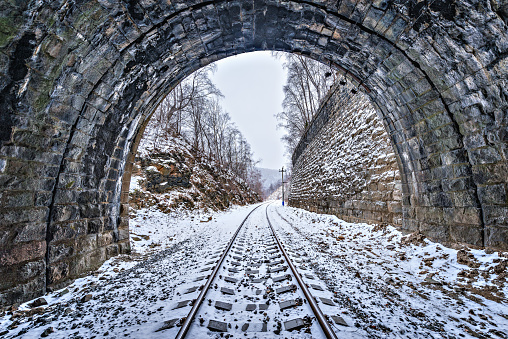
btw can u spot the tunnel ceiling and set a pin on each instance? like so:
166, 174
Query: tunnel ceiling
79, 79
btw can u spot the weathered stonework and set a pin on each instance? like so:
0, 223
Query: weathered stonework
79, 79
345, 164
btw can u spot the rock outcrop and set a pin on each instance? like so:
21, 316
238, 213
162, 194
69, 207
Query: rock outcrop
173, 176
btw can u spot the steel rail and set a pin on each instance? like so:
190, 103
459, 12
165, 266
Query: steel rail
190, 317
325, 326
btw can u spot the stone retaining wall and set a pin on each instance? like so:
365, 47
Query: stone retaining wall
345, 165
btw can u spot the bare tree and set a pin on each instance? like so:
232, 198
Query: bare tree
307, 83
171, 114
193, 111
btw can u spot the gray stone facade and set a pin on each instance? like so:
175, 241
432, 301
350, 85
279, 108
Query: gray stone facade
79, 79
345, 164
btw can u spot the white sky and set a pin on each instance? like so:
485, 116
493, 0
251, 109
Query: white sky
252, 87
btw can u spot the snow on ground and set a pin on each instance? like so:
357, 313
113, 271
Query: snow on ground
387, 285
131, 295
152, 230
135, 183
398, 287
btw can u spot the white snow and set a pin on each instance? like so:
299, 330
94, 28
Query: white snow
152, 169
383, 288
135, 183
382, 284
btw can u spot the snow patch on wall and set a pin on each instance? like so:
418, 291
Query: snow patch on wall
349, 167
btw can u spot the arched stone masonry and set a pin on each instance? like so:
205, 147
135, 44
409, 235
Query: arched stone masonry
79, 78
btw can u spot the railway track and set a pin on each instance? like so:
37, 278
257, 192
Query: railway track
254, 287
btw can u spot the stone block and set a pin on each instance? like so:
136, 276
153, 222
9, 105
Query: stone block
65, 213
124, 209
434, 215
459, 184
440, 199
18, 167
71, 100
435, 232
90, 211
112, 250
438, 120
465, 234
490, 173
30, 270
123, 234
372, 17
14, 275
86, 243
105, 239
386, 21
30, 232
57, 272
109, 223
90, 196
60, 251
80, 139
432, 107
95, 226
87, 262
419, 84
454, 157
64, 113
72, 166
123, 222
394, 207
495, 215
493, 195
487, 155
68, 180
68, 230
473, 141
124, 247
496, 237
63, 196
23, 215
22, 253
449, 143
463, 216
410, 225
465, 198
24, 291
43, 199
35, 287
393, 32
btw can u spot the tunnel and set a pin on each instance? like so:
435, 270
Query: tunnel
80, 80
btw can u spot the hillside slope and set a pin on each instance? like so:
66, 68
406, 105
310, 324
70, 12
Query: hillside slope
168, 174
277, 193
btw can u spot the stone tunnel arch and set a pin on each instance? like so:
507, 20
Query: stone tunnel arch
81, 78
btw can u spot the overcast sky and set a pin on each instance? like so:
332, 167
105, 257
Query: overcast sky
252, 87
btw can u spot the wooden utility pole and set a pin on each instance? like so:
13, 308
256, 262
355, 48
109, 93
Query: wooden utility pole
282, 171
